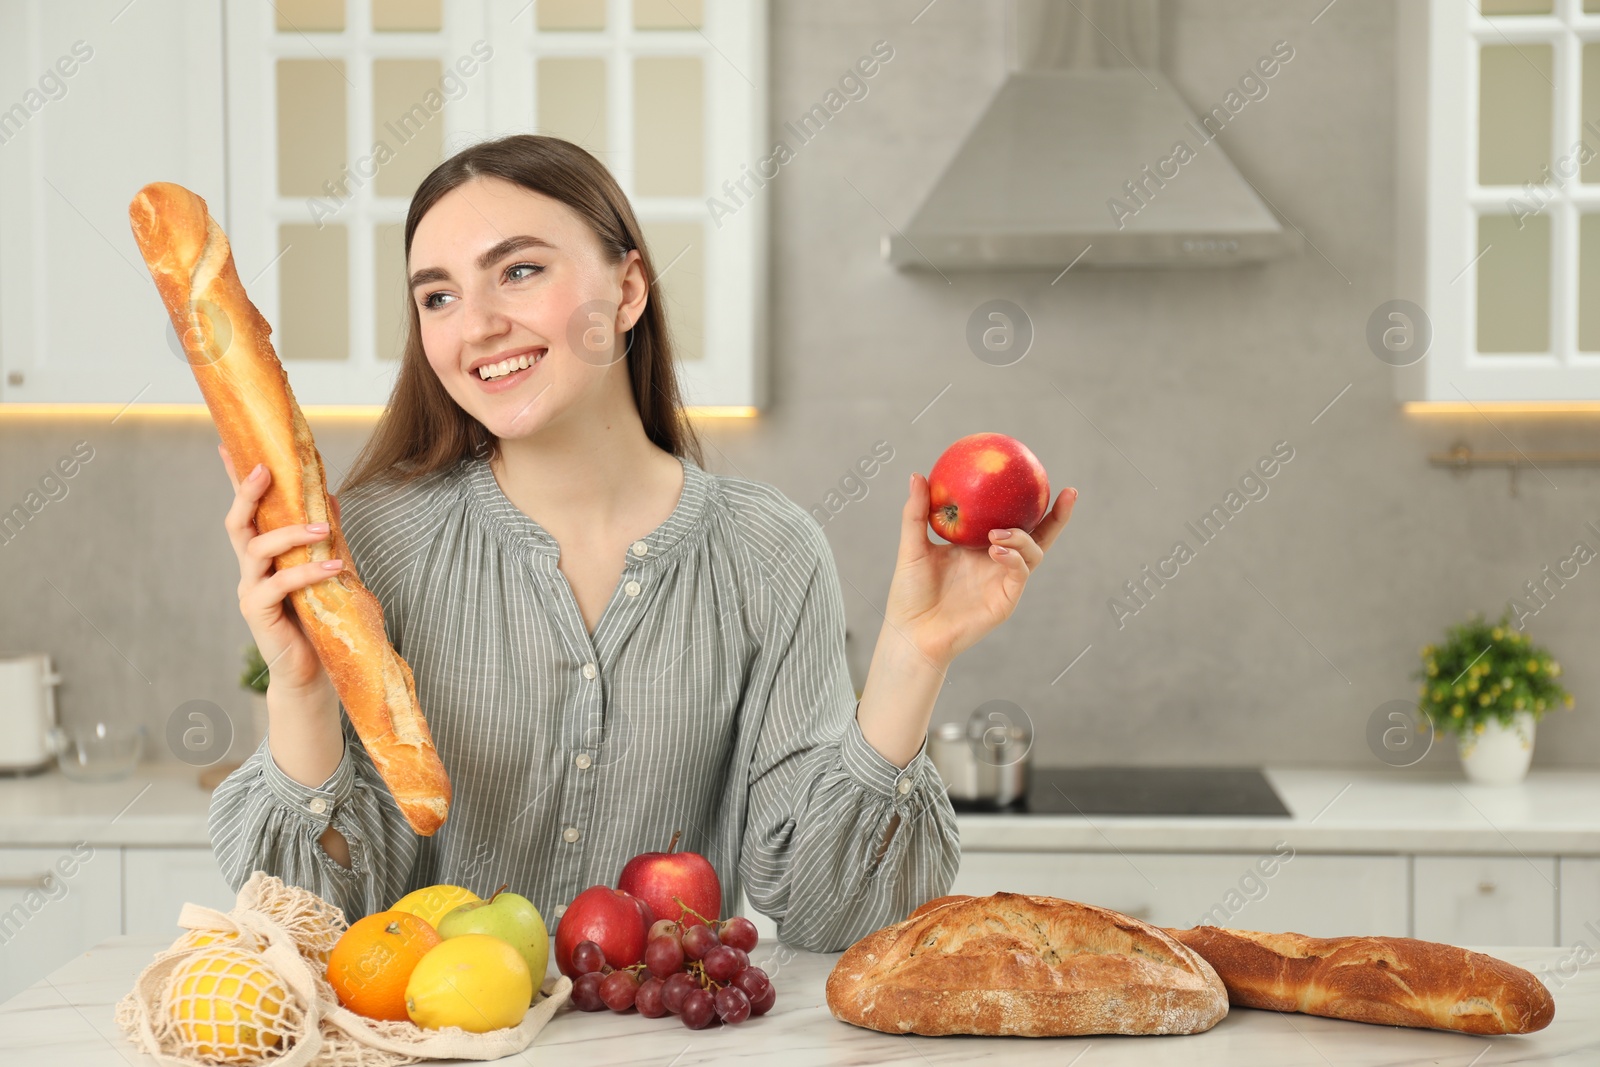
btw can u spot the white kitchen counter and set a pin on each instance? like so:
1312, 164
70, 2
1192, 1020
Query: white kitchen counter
1332, 810
159, 804
67, 1020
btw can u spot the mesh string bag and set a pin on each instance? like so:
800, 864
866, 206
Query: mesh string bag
249, 986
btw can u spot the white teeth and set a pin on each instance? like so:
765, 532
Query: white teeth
506, 366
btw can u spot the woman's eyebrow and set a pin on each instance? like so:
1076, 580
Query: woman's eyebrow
497, 251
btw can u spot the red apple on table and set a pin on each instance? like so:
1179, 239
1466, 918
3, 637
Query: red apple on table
983, 482
681, 886
611, 919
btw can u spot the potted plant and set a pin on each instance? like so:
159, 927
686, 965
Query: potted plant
254, 679
1488, 684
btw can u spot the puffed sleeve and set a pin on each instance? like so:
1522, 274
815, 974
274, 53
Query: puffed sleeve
262, 819
839, 841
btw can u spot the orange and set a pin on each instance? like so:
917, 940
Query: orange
373, 960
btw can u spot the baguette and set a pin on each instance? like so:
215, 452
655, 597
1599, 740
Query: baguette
1391, 981
229, 348
1026, 966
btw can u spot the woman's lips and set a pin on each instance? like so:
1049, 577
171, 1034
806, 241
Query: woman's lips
508, 381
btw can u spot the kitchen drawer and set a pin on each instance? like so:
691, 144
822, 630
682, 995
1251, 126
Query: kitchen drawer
1580, 902
158, 881
54, 904
1310, 894
1485, 900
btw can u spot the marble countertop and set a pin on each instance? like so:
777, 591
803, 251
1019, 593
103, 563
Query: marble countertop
66, 1020
1554, 812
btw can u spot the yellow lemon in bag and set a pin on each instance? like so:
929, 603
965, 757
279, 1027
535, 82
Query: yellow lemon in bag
475, 981
225, 1003
430, 903
201, 938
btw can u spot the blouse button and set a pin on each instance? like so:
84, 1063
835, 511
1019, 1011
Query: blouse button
588, 670
905, 786
570, 835
318, 805
632, 588
583, 761
640, 548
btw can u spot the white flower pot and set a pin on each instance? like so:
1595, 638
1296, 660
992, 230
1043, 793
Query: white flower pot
1499, 755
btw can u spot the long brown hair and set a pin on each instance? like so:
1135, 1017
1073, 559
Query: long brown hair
423, 429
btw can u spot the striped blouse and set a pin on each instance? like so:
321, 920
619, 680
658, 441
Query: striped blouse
712, 698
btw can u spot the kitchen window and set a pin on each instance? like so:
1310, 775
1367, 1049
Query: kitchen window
1498, 212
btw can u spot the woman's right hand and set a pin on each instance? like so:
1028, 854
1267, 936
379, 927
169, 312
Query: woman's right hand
289, 655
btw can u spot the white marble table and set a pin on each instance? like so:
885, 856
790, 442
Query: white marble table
66, 1020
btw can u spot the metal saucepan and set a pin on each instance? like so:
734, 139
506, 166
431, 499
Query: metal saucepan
984, 761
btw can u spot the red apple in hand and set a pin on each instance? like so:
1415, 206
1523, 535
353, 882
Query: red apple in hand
983, 482
610, 918
658, 877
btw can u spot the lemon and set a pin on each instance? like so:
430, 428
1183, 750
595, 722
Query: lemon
225, 1003
201, 938
475, 981
431, 903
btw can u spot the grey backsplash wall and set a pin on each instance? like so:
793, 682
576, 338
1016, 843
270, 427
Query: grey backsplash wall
1274, 645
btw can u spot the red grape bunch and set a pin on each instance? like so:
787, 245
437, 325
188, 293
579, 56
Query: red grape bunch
699, 973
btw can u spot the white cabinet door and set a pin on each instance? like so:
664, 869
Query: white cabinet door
1486, 900
97, 98
159, 881
54, 904
1580, 901
1324, 896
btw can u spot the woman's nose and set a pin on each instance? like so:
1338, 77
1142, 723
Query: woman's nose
483, 319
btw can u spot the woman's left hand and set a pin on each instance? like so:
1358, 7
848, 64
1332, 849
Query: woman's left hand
945, 598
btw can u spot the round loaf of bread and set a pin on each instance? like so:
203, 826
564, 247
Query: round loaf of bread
1011, 964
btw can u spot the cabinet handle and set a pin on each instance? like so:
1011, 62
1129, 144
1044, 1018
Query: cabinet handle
26, 881
1486, 887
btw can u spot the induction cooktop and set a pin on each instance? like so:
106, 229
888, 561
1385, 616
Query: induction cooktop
1143, 791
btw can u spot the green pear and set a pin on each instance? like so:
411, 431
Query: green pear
510, 917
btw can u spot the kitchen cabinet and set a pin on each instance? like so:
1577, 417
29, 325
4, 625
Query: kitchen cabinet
307, 128
54, 904
1481, 900
1311, 894
157, 882
1579, 918
101, 96
1496, 236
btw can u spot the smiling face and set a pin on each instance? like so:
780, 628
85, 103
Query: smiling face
514, 284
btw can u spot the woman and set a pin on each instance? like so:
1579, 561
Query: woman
610, 644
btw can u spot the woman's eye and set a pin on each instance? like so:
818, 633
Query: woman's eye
431, 302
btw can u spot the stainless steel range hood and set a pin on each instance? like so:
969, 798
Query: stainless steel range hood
1075, 157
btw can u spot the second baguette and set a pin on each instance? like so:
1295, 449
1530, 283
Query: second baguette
1392, 981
